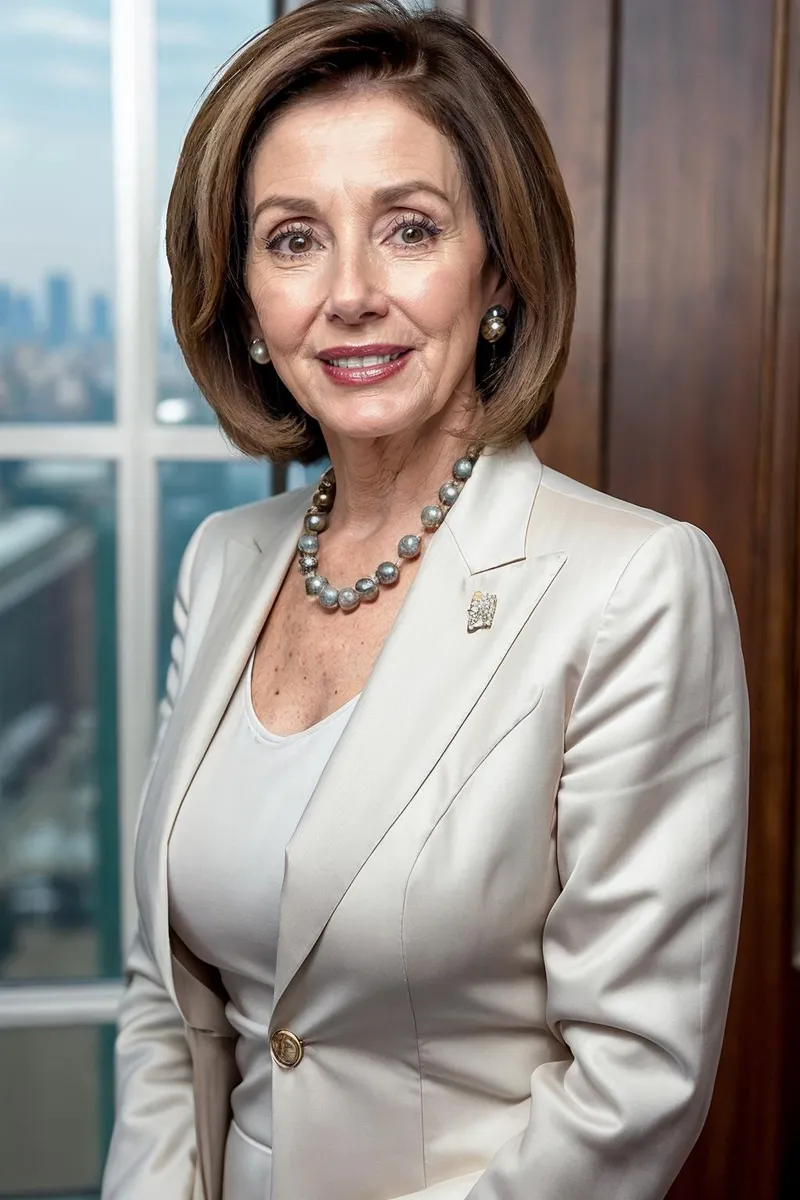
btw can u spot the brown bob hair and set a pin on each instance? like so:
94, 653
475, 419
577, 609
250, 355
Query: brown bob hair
454, 79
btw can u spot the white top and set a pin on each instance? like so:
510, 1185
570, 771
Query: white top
226, 862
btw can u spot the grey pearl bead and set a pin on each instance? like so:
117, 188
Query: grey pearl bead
496, 310
432, 516
367, 588
408, 546
316, 522
462, 469
308, 543
315, 584
329, 596
387, 573
307, 563
448, 493
323, 500
348, 599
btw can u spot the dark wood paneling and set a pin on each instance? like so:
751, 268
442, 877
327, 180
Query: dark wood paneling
787, 393
561, 50
691, 432
688, 276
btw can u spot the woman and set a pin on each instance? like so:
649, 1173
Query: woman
440, 859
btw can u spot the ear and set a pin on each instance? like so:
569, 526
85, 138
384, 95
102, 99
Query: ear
499, 290
504, 294
251, 326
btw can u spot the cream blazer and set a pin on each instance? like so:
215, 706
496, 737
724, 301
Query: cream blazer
510, 911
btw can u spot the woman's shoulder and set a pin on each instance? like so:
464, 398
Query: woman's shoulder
588, 506
611, 534
583, 512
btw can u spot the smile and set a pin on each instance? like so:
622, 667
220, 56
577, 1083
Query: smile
370, 360
364, 369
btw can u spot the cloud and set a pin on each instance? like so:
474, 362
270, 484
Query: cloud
12, 136
76, 78
178, 33
61, 24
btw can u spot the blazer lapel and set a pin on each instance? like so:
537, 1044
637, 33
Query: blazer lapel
251, 576
429, 675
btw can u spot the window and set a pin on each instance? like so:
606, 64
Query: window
56, 248
109, 458
194, 38
55, 1109
59, 910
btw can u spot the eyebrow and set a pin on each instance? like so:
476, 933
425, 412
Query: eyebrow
382, 196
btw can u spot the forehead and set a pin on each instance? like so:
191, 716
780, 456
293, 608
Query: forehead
352, 143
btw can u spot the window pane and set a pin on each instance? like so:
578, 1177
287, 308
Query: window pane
56, 1108
195, 37
189, 492
59, 910
298, 476
56, 353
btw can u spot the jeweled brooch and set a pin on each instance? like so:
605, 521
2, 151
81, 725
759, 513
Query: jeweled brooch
480, 613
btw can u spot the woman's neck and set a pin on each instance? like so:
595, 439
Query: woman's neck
382, 484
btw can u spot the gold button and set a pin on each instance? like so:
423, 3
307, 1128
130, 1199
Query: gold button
286, 1047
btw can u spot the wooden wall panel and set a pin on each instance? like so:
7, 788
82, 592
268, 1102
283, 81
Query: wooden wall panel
686, 333
561, 50
787, 439
689, 429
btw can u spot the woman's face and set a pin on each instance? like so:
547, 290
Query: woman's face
362, 233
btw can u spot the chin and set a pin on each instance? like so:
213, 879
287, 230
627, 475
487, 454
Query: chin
361, 426
369, 430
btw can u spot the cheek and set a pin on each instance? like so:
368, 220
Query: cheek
283, 304
439, 300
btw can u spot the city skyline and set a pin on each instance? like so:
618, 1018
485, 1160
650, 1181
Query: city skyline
53, 315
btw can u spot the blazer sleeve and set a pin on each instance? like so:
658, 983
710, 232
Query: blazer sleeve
152, 1151
639, 946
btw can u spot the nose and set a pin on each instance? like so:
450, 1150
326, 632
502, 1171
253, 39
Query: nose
356, 286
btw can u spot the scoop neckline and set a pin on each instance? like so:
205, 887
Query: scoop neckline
266, 735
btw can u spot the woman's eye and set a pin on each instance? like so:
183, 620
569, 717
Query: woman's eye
415, 231
292, 243
297, 243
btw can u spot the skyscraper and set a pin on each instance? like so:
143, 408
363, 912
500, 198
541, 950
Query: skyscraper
59, 309
100, 317
5, 307
22, 318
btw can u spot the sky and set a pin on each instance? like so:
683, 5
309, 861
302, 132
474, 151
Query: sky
55, 125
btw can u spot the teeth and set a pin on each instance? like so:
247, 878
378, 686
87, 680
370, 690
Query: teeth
370, 360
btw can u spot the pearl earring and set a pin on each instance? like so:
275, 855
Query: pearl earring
259, 352
493, 325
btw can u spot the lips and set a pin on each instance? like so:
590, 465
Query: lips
368, 350
363, 373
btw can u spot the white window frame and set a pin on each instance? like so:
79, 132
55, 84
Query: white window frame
136, 445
